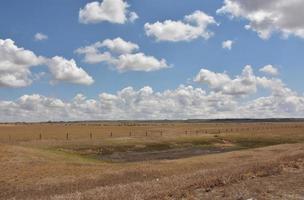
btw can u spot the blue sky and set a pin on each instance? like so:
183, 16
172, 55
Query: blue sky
59, 21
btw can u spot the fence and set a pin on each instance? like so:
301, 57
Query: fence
93, 135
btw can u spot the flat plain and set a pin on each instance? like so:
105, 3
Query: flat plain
152, 160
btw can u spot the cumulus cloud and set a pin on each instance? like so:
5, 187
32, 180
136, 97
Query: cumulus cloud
113, 11
183, 102
128, 103
92, 54
133, 16
16, 64
118, 45
242, 85
40, 36
122, 55
285, 104
138, 62
192, 27
67, 70
227, 44
268, 17
270, 70
213, 79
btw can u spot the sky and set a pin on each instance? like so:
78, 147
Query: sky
160, 59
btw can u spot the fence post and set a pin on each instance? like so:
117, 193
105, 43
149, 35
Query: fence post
67, 136
40, 136
111, 134
91, 136
130, 134
146, 133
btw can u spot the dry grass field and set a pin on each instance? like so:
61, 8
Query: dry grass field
120, 160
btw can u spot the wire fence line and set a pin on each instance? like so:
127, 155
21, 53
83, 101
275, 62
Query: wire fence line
94, 135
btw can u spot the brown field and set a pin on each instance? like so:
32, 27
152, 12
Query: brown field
152, 160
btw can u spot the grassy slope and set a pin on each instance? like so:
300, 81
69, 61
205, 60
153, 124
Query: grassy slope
58, 168
40, 174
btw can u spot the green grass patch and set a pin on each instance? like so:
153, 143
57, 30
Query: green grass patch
90, 153
69, 156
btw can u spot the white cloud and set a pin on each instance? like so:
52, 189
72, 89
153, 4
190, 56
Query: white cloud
227, 44
114, 11
122, 55
267, 17
119, 46
40, 36
242, 85
287, 103
138, 62
133, 16
222, 100
213, 79
270, 70
67, 70
183, 102
192, 27
92, 54
15, 64
128, 103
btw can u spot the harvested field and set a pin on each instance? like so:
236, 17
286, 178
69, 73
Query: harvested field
155, 161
